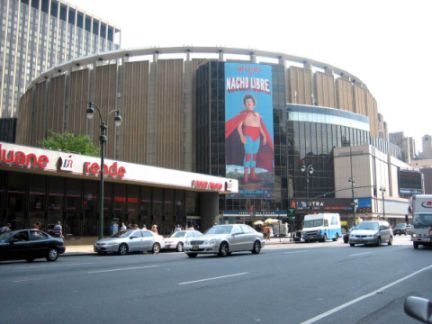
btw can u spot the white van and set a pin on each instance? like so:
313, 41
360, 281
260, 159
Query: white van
321, 227
422, 220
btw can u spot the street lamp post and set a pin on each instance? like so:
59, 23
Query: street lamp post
102, 141
308, 170
351, 179
383, 189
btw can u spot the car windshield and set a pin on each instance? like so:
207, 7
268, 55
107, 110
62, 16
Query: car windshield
422, 220
368, 226
313, 223
179, 234
122, 234
225, 229
4, 236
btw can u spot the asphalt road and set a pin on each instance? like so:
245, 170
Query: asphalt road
316, 282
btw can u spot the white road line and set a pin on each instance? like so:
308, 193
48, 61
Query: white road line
337, 309
214, 278
293, 252
358, 254
122, 269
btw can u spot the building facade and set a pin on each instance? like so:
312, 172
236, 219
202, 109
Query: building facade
38, 185
177, 103
38, 34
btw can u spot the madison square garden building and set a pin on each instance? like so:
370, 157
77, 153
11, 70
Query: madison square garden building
254, 116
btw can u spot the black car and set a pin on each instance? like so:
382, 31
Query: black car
400, 229
30, 244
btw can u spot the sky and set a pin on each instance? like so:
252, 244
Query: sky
385, 43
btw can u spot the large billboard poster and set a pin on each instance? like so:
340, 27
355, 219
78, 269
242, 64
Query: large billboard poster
249, 128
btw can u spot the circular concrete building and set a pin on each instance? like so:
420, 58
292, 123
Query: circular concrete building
179, 109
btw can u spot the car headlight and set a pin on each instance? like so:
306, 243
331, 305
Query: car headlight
414, 235
210, 242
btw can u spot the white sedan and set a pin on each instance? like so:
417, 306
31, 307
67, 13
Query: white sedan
177, 239
225, 239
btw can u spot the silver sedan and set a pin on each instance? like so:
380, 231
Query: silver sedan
225, 239
130, 241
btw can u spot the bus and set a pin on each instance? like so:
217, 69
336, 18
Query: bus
422, 220
321, 227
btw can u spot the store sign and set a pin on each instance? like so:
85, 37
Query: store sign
113, 170
22, 159
65, 163
206, 185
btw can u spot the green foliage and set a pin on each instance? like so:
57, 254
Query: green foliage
69, 142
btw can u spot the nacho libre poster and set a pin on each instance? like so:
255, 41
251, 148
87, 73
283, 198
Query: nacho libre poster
249, 128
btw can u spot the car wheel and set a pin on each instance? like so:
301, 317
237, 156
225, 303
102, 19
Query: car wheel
256, 248
191, 255
123, 249
390, 242
352, 244
378, 243
156, 248
415, 244
180, 247
223, 249
52, 255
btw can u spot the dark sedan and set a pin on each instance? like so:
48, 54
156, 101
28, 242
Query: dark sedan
30, 244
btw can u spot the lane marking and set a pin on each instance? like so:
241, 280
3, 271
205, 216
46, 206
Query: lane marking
357, 254
214, 278
122, 269
356, 300
293, 252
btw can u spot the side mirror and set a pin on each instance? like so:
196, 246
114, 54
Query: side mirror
132, 237
419, 308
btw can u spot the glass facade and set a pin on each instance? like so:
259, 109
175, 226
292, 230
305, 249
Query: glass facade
39, 34
303, 135
29, 198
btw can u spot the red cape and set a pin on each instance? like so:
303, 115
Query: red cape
235, 148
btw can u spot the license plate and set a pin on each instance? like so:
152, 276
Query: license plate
195, 247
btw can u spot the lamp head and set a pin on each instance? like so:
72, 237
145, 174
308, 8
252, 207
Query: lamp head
303, 168
117, 118
90, 111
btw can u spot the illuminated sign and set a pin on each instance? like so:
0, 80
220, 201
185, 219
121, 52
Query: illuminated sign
206, 185
113, 170
19, 158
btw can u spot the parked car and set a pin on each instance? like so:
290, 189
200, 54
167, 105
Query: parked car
371, 232
400, 229
130, 241
177, 239
347, 234
30, 244
225, 239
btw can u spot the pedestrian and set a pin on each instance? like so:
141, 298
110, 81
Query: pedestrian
144, 227
123, 227
37, 225
177, 228
154, 229
58, 229
6, 228
114, 227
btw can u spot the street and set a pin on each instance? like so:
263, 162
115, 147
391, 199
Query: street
288, 283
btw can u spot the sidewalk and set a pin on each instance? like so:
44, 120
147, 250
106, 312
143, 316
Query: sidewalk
87, 249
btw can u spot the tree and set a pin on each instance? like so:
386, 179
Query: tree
69, 142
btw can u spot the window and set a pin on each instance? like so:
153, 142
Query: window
21, 236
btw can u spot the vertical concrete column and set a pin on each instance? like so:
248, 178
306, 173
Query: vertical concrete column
221, 55
209, 209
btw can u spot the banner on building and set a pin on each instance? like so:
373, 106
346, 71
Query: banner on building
249, 151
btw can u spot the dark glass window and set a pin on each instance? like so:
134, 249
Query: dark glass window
25, 1
45, 6
54, 8
103, 30
80, 20
88, 24
63, 11
71, 16
110, 34
95, 26
35, 4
